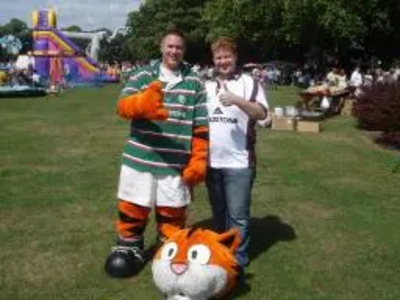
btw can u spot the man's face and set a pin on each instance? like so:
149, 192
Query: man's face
224, 61
172, 49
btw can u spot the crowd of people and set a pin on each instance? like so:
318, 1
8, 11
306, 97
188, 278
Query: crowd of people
337, 76
269, 76
272, 76
11, 75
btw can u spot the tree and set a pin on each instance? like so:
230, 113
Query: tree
308, 29
114, 50
255, 24
14, 27
20, 30
72, 28
155, 16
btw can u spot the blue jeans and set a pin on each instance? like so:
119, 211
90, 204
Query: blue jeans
229, 192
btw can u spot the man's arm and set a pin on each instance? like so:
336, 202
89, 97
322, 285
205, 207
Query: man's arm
196, 169
254, 109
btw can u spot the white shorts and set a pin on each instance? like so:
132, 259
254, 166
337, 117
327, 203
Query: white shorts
149, 190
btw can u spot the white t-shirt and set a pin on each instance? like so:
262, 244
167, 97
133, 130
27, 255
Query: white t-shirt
356, 79
231, 130
171, 77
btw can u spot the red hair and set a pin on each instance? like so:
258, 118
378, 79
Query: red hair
224, 43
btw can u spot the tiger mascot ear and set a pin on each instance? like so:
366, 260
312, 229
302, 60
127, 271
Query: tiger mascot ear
168, 230
231, 239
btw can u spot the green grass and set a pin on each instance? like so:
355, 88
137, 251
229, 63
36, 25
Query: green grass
325, 206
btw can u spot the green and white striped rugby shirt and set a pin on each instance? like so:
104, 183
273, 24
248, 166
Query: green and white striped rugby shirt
163, 147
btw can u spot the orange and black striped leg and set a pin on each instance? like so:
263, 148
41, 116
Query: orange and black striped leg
127, 258
175, 216
132, 221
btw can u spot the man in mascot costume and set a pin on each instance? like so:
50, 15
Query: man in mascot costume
165, 155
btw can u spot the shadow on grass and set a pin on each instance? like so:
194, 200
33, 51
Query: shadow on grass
265, 233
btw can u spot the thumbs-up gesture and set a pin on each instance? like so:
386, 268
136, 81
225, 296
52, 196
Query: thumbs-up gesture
226, 97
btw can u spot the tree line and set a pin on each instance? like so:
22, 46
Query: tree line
314, 31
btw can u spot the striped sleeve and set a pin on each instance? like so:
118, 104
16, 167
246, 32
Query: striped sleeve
135, 82
200, 108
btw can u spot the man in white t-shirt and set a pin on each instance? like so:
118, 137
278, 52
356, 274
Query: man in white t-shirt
356, 78
356, 81
235, 103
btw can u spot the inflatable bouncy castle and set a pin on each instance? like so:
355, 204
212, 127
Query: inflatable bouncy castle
57, 57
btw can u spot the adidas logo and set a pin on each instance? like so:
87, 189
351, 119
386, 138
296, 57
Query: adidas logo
218, 111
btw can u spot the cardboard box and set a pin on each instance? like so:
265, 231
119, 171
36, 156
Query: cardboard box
283, 123
308, 126
347, 108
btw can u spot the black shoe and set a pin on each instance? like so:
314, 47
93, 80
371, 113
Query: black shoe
125, 260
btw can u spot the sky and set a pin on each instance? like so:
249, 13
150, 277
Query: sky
87, 14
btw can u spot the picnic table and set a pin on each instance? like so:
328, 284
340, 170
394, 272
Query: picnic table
312, 97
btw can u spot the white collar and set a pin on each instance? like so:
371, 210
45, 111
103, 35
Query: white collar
170, 77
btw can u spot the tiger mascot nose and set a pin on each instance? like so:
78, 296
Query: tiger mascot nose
179, 268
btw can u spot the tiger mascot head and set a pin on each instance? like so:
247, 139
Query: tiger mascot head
196, 264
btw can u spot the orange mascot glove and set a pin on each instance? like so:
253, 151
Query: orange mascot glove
195, 170
144, 105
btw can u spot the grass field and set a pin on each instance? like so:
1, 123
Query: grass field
326, 213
